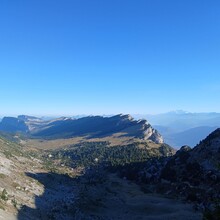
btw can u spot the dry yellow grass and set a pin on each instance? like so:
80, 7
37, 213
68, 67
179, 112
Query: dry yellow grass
114, 140
50, 144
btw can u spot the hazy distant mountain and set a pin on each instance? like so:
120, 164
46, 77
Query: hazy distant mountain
182, 120
11, 124
90, 127
183, 128
189, 137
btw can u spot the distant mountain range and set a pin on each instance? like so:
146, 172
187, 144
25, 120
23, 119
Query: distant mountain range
177, 128
183, 128
89, 127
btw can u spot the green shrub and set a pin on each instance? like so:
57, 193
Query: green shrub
4, 195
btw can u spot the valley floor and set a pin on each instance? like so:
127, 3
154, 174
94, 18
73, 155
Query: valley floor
124, 200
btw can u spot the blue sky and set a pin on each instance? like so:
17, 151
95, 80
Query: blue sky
109, 56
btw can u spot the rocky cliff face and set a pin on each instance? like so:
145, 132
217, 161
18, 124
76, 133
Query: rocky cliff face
150, 133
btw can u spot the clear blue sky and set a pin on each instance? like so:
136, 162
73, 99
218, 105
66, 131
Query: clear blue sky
109, 56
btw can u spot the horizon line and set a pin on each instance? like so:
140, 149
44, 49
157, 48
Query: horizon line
106, 114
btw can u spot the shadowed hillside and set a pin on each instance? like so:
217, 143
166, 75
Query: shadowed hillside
57, 200
91, 197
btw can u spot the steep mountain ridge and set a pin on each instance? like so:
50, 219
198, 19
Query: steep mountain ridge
90, 127
207, 152
203, 160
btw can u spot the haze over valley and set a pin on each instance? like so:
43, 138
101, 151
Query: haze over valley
183, 128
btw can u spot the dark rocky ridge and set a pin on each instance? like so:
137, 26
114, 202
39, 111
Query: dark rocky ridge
192, 173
